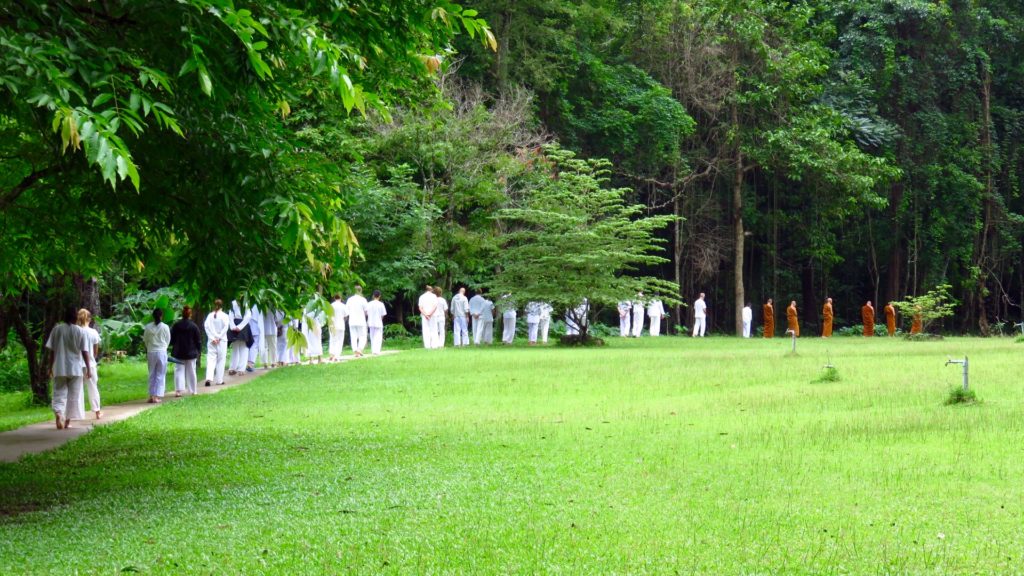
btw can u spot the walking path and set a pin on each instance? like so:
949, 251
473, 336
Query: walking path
43, 436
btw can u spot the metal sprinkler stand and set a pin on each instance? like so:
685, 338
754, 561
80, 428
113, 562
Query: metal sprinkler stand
794, 339
1021, 324
964, 363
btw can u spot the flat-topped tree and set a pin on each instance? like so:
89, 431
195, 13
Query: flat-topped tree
567, 236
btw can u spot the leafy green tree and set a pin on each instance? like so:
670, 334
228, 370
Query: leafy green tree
568, 236
930, 307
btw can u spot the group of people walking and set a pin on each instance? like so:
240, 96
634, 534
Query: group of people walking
827, 319
477, 314
74, 345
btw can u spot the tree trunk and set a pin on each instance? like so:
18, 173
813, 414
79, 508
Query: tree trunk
38, 367
737, 220
677, 210
88, 293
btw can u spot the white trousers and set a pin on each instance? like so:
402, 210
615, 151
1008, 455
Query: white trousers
486, 333
282, 347
254, 350
746, 328
439, 324
655, 325
239, 355
638, 323
157, 372
185, 376
336, 346
624, 325
429, 330
270, 350
698, 326
545, 323
531, 331
216, 356
90, 384
67, 393
376, 338
508, 327
358, 337
478, 330
460, 332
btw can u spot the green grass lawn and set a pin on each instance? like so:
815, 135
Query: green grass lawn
717, 456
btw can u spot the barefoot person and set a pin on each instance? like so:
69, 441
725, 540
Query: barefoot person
185, 342
792, 322
69, 360
216, 326
91, 382
890, 319
375, 313
769, 319
336, 327
700, 316
356, 307
867, 314
827, 316
157, 336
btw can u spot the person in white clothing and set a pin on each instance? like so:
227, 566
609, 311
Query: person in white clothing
69, 361
532, 322
216, 327
486, 323
157, 336
297, 345
427, 306
375, 313
748, 317
700, 313
238, 321
336, 345
356, 306
256, 329
638, 315
460, 318
545, 321
624, 307
283, 355
315, 319
440, 317
655, 311
476, 305
271, 327
92, 382
508, 319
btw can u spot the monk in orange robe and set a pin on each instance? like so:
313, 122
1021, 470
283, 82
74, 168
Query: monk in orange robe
769, 319
827, 316
890, 319
791, 321
915, 326
867, 315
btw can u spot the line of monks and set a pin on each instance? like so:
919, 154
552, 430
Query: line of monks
867, 314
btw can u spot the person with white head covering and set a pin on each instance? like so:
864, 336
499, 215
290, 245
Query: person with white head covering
638, 315
624, 307
655, 311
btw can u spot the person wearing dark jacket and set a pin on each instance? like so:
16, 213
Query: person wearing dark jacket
185, 342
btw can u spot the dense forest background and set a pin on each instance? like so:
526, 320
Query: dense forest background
852, 149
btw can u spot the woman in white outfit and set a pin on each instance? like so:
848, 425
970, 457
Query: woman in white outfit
508, 319
314, 335
656, 311
239, 321
638, 315
93, 338
157, 337
440, 316
356, 306
375, 313
532, 322
216, 326
545, 321
69, 358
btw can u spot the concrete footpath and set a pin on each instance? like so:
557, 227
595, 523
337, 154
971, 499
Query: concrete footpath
43, 436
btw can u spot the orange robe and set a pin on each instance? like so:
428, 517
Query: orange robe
769, 320
915, 326
826, 328
890, 319
867, 314
791, 321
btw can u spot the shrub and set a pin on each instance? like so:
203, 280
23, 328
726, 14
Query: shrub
830, 374
957, 395
13, 368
